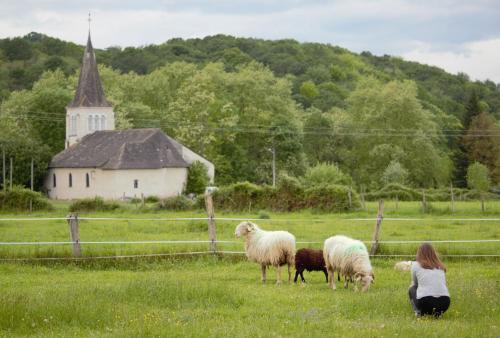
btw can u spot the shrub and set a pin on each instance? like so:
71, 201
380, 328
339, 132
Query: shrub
263, 215
197, 179
393, 190
176, 203
152, 199
288, 196
238, 196
395, 173
325, 174
93, 204
19, 199
329, 198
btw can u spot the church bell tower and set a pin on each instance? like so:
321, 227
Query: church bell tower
89, 111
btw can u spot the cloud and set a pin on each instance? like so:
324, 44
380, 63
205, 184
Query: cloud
480, 59
443, 28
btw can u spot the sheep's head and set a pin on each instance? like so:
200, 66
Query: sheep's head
365, 279
244, 228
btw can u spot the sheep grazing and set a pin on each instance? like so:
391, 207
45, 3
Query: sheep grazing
267, 248
350, 258
310, 260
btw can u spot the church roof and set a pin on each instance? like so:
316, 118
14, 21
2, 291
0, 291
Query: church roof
122, 149
89, 92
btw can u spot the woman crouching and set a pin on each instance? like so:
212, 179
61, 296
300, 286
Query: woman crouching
428, 292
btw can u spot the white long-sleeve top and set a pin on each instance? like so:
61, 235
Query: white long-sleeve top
429, 282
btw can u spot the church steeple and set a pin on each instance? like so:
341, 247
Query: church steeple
89, 92
89, 111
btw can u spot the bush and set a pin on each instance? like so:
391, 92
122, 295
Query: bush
263, 215
238, 196
325, 174
152, 199
197, 179
19, 199
328, 198
393, 190
176, 203
93, 204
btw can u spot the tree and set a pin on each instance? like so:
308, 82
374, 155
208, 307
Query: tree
388, 124
395, 173
325, 174
478, 179
482, 143
197, 179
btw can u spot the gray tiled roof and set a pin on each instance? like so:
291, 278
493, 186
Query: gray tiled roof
89, 92
122, 149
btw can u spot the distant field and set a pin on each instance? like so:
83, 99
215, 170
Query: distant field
307, 226
205, 295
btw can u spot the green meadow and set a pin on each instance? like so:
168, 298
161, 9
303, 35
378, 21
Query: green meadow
221, 295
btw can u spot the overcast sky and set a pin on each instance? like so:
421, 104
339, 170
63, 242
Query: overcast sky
457, 35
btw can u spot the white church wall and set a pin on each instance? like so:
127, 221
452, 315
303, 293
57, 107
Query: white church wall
115, 184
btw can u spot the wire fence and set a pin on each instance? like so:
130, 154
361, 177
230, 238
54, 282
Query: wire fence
212, 242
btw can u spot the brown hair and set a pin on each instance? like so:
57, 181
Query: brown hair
428, 258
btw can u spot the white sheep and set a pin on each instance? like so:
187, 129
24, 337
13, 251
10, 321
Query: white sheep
267, 248
350, 258
403, 266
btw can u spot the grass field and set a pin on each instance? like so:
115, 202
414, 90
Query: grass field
222, 296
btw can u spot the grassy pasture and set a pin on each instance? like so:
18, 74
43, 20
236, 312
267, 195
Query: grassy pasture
223, 296
207, 296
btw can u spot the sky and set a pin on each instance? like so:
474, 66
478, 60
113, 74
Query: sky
456, 35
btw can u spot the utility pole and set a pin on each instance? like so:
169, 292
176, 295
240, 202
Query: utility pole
273, 151
10, 173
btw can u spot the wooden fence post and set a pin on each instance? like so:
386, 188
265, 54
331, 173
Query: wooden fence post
452, 198
74, 233
424, 202
349, 194
11, 170
362, 197
212, 233
376, 233
4, 184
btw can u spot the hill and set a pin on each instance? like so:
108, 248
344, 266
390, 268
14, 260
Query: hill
313, 90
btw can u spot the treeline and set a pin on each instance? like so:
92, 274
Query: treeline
235, 100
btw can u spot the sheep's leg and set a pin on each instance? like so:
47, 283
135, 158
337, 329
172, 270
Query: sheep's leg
302, 276
278, 278
263, 273
296, 276
346, 282
331, 281
326, 274
289, 273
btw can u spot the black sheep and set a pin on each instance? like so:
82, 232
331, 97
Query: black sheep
310, 260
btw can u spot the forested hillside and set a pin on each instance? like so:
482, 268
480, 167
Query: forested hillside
380, 119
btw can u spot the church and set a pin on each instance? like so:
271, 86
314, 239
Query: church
114, 164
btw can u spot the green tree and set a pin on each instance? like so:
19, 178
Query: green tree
325, 174
478, 178
389, 124
197, 179
395, 173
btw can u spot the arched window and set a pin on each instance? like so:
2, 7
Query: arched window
103, 122
87, 180
96, 122
54, 182
70, 178
89, 125
73, 125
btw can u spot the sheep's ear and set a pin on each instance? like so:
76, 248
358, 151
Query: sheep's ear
250, 226
373, 277
357, 276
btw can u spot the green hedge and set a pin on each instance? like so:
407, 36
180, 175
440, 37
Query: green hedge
177, 203
289, 195
93, 204
404, 193
19, 199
